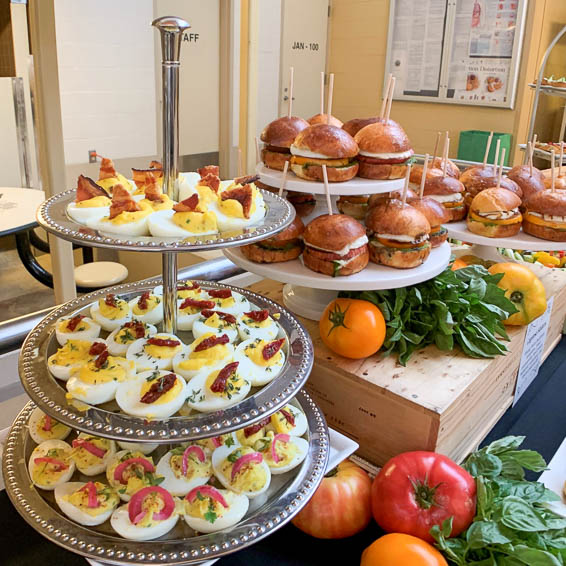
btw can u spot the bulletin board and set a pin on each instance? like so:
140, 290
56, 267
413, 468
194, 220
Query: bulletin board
456, 51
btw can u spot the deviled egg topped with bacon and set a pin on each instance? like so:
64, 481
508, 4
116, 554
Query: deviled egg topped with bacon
217, 322
42, 427
87, 504
260, 361
239, 207
50, 464
257, 324
128, 472
77, 327
205, 353
91, 454
72, 356
119, 340
228, 301
155, 352
111, 312
92, 201
184, 468
147, 308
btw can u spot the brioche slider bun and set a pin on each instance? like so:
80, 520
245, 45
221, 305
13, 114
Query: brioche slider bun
417, 175
545, 216
354, 206
529, 184
382, 197
320, 145
356, 124
335, 245
477, 179
449, 192
559, 183
284, 246
399, 234
452, 170
494, 213
325, 119
304, 203
278, 137
436, 215
384, 150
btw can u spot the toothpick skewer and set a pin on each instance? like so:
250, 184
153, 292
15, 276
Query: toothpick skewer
385, 96
561, 158
423, 178
322, 92
487, 148
445, 159
327, 190
240, 163
530, 150
257, 152
496, 159
553, 173
500, 172
291, 74
435, 154
284, 179
406, 185
329, 101
390, 99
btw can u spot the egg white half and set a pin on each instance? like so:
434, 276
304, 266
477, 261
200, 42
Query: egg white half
39, 434
120, 348
76, 513
121, 523
247, 328
302, 447
90, 333
109, 324
153, 316
42, 450
182, 485
145, 361
96, 465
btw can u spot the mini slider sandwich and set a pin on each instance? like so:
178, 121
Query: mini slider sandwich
354, 206
529, 183
356, 124
449, 192
545, 216
495, 213
335, 245
376, 199
436, 215
325, 119
477, 179
284, 246
278, 137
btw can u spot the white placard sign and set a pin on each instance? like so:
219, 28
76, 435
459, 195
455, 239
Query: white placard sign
532, 351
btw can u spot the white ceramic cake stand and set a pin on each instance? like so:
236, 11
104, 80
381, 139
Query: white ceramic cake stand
307, 293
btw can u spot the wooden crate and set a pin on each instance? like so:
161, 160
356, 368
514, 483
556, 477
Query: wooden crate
441, 401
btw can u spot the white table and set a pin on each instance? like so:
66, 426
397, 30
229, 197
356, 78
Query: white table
17, 209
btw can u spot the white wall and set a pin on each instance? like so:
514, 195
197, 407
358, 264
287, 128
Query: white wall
106, 58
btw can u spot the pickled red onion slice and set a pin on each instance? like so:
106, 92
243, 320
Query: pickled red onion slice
89, 447
199, 452
59, 464
90, 488
145, 464
206, 491
135, 506
253, 458
47, 423
278, 438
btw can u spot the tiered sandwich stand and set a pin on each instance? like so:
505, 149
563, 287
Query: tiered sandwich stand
306, 292
284, 498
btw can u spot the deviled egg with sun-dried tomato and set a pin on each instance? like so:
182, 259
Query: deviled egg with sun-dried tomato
147, 308
226, 300
184, 468
289, 420
217, 322
155, 352
77, 327
119, 340
72, 356
260, 361
257, 324
111, 312
189, 310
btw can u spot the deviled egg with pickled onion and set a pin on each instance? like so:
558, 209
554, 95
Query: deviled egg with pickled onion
42, 427
214, 442
184, 468
228, 301
72, 356
217, 389
154, 394
91, 454
257, 324
87, 504
289, 420
205, 353
217, 322
260, 361
119, 340
147, 308
50, 464
111, 312
283, 452
129, 471
207, 509
155, 352
150, 514
241, 469
92, 201
77, 327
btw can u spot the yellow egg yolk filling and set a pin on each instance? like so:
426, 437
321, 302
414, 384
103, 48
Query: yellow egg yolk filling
152, 302
280, 423
112, 370
162, 352
63, 326
73, 352
254, 352
94, 202
107, 184
196, 222
110, 312
83, 458
45, 473
195, 468
168, 396
252, 477
106, 497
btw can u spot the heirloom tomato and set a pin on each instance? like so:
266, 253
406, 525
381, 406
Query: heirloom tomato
397, 549
416, 490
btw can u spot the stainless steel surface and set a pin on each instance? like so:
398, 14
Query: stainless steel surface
13, 332
171, 29
169, 272
52, 215
285, 498
104, 420
461, 163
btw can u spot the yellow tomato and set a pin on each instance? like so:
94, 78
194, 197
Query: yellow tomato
524, 289
352, 328
398, 549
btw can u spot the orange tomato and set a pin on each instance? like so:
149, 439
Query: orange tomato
340, 507
398, 549
458, 264
352, 328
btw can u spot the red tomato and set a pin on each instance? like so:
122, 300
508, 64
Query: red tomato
417, 490
340, 507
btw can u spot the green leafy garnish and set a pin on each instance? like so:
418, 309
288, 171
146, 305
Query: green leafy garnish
210, 515
234, 456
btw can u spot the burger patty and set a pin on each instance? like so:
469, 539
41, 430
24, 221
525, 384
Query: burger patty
329, 256
277, 149
377, 161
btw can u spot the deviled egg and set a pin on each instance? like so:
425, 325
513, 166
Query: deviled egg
283, 452
289, 420
249, 435
208, 509
205, 353
108, 177
183, 221
238, 207
128, 472
87, 504
72, 356
217, 389
150, 514
92, 201
155, 352
228, 301
260, 361
111, 312
143, 447
241, 469
189, 310
154, 394
185, 468
120, 339
214, 442
185, 289
78, 327
257, 324
216, 321
50, 464
147, 308
91, 454
42, 427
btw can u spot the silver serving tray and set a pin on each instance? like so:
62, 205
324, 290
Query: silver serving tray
106, 420
52, 215
284, 499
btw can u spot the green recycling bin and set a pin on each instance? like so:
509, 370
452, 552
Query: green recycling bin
473, 143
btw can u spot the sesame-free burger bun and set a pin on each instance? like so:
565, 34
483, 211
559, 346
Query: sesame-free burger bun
436, 215
550, 203
375, 199
356, 124
397, 219
283, 131
529, 184
493, 201
324, 119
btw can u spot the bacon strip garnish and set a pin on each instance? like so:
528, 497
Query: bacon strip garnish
196, 304
209, 169
142, 301
87, 189
158, 388
139, 175
258, 316
220, 293
163, 342
243, 195
246, 179
107, 169
226, 317
251, 430
270, 349
210, 342
188, 205
72, 323
122, 201
101, 360
219, 384
211, 181
110, 300
156, 165
137, 326
152, 190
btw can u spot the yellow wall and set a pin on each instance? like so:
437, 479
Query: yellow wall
358, 45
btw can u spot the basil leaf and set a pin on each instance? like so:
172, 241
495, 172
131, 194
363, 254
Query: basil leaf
535, 557
484, 533
528, 459
505, 444
518, 514
483, 464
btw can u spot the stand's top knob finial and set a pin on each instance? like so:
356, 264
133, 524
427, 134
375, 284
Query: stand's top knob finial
171, 28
